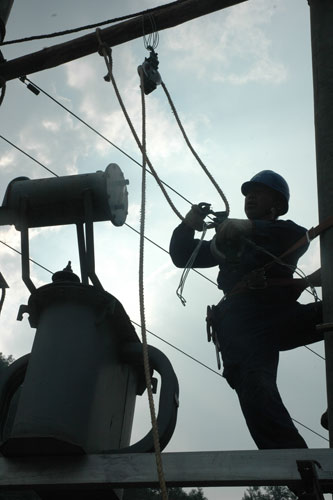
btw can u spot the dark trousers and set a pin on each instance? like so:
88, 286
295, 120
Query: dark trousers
250, 337
267, 418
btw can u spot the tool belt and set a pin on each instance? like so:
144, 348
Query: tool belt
258, 280
255, 280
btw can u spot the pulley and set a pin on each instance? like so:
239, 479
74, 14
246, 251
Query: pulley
151, 76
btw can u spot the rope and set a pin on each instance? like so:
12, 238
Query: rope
105, 51
205, 169
142, 309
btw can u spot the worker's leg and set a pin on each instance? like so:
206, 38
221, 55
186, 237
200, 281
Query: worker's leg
296, 325
267, 418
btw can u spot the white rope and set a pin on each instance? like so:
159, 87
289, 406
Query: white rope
146, 363
203, 166
105, 51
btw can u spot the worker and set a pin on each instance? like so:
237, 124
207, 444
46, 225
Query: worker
259, 314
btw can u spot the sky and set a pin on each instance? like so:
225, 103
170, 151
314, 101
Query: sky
241, 81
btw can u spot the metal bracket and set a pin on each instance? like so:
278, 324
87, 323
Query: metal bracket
86, 243
311, 487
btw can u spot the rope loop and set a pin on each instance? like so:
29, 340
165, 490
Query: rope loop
103, 48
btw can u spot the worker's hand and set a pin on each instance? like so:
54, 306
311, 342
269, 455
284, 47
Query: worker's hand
232, 230
195, 218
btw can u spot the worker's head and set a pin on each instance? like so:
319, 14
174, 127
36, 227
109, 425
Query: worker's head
266, 196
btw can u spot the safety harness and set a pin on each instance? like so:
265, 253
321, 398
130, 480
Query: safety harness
257, 280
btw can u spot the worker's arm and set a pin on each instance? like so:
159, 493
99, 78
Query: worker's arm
183, 244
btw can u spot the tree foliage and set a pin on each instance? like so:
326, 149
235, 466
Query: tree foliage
155, 494
269, 493
5, 360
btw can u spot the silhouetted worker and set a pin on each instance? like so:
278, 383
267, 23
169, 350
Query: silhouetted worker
259, 314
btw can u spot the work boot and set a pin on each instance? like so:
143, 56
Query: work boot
324, 420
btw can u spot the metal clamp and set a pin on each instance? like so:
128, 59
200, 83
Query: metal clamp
311, 487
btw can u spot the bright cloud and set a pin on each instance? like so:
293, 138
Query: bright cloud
7, 159
231, 46
51, 125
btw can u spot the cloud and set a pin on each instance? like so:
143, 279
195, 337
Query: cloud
7, 159
80, 74
231, 46
99, 106
51, 125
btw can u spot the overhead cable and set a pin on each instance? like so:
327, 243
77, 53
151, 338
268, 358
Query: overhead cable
166, 251
90, 26
29, 156
31, 260
102, 136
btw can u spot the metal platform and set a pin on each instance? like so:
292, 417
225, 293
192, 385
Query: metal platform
97, 475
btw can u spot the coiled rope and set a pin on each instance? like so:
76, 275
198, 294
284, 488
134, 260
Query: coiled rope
105, 51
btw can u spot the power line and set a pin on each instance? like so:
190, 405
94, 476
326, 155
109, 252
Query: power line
180, 350
166, 251
29, 156
31, 260
308, 428
101, 135
90, 26
316, 353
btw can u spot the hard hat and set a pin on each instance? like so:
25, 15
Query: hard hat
272, 180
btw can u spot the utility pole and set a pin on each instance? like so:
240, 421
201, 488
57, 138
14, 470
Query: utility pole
170, 15
321, 13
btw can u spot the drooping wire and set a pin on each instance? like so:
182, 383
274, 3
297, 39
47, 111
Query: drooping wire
151, 41
188, 266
